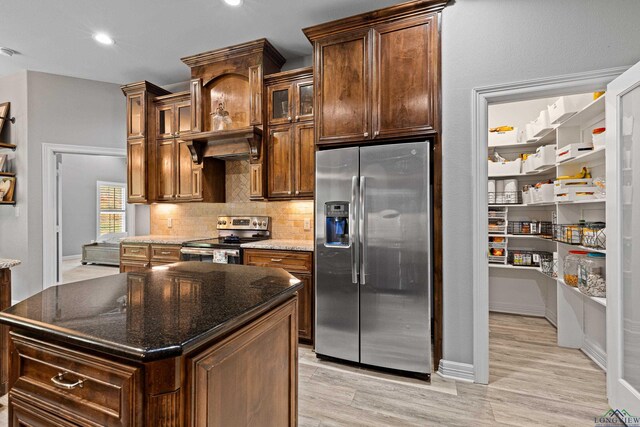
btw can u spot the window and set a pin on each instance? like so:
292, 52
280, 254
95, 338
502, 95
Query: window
111, 207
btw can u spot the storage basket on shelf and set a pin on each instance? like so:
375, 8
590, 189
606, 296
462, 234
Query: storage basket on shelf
571, 151
594, 235
508, 168
549, 265
541, 125
526, 258
575, 189
568, 233
563, 108
509, 137
537, 228
505, 198
542, 194
592, 279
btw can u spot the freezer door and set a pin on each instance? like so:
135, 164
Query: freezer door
395, 329
337, 315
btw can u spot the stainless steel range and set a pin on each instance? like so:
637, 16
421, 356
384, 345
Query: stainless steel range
232, 232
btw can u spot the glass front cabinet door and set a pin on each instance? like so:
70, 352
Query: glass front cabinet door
280, 104
304, 101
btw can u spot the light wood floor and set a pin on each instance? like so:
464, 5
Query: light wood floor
74, 271
533, 382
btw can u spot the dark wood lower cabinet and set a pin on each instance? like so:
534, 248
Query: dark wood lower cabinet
247, 378
300, 265
5, 302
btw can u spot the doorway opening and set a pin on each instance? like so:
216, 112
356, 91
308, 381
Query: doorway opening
84, 204
497, 97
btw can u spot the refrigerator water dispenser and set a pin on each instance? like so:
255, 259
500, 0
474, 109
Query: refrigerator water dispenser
337, 224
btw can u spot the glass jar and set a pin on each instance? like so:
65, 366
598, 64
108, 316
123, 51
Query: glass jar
571, 265
592, 279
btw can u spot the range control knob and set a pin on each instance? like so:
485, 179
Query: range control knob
264, 223
255, 224
224, 222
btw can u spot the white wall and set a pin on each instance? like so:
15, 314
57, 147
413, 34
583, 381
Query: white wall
79, 174
13, 229
498, 41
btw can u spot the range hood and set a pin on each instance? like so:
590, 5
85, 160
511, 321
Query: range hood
242, 143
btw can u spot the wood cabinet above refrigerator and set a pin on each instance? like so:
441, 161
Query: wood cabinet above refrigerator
378, 74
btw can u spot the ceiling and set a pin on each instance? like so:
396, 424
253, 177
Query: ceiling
55, 36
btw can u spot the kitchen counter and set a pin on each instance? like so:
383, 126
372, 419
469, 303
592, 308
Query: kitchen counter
163, 240
149, 315
9, 263
282, 245
129, 349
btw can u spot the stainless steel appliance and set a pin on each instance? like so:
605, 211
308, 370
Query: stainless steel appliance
373, 255
232, 232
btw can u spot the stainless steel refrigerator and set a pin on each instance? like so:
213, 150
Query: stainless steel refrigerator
373, 255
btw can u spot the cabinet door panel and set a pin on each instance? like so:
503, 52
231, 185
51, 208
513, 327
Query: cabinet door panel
280, 162
304, 164
136, 171
166, 168
305, 307
135, 115
196, 183
183, 117
164, 121
304, 101
280, 104
405, 68
185, 172
256, 185
342, 89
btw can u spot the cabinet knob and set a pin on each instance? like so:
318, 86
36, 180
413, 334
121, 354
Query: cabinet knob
376, 133
366, 134
288, 192
289, 118
297, 118
297, 192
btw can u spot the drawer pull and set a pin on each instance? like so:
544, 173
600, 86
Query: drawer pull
165, 253
276, 259
59, 381
136, 251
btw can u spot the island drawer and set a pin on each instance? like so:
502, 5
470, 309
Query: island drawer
134, 251
79, 387
291, 261
165, 253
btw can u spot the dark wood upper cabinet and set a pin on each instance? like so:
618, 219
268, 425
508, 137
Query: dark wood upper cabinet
141, 118
304, 161
377, 75
342, 88
405, 84
290, 146
280, 155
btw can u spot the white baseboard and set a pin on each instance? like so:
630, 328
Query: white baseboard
552, 317
595, 353
456, 371
522, 309
71, 257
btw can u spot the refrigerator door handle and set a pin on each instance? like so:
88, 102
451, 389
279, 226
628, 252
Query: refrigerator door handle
362, 232
353, 240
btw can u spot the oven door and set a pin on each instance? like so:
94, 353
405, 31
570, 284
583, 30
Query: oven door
218, 256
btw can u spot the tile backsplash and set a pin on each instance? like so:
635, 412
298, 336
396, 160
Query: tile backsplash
199, 219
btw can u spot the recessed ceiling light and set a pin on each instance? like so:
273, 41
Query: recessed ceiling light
233, 2
6, 51
103, 39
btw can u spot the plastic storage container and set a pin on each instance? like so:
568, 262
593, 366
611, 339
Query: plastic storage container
505, 168
541, 125
571, 266
562, 109
510, 137
592, 279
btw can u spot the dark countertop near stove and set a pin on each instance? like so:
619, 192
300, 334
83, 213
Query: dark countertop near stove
154, 314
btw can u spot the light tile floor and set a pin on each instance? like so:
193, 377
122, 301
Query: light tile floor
73, 271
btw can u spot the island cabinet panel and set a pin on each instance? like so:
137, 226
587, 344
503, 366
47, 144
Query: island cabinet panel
405, 83
300, 265
81, 388
250, 378
141, 256
342, 88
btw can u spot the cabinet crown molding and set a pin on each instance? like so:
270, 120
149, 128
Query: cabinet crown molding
144, 86
367, 19
290, 75
257, 46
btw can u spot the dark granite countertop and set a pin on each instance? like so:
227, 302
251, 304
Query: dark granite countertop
155, 314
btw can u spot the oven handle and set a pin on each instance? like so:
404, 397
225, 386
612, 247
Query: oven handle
192, 251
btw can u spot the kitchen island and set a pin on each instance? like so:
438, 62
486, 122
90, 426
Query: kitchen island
185, 344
